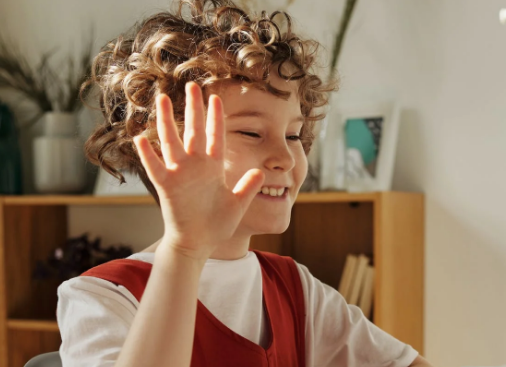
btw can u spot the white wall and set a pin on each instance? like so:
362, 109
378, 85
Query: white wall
446, 59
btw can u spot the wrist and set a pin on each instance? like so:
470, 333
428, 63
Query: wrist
169, 251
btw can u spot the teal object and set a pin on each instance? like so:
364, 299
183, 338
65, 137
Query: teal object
11, 182
359, 136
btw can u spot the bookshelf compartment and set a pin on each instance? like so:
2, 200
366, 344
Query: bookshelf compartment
387, 227
31, 232
26, 344
38, 325
322, 235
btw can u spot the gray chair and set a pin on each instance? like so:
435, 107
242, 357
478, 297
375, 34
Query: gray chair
45, 360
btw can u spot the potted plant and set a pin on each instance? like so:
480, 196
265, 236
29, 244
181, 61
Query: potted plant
58, 161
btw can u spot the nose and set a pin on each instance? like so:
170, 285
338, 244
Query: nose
278, 156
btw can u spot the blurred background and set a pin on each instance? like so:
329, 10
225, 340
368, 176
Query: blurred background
446, 61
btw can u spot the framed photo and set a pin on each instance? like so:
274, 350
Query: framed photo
370, 141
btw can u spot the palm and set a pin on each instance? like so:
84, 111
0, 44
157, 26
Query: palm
196, 204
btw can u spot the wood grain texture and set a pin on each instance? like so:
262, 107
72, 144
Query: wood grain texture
3, 297
36, 325
399, 263
26, 344
31, 200
267, 242
324, 234
31, 233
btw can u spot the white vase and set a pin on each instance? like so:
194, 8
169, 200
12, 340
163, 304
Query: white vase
58, 157
332, 150
108, 185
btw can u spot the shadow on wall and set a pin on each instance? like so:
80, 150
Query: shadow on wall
410, 161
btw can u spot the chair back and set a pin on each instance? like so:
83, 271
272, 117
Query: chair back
45, 360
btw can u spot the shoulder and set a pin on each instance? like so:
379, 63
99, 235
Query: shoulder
119, 268
94, 316
94, 291
110, 281
275, 260
129, 273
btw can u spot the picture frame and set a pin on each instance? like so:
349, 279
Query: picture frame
370, 131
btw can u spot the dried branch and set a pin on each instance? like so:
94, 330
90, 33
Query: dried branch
338, 44
41, 84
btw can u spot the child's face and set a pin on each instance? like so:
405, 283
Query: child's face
275, 150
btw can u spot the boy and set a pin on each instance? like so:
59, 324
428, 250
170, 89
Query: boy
198, 297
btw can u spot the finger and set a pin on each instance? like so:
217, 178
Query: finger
152, 163
248, 187
215, 128
194, 133
170, 143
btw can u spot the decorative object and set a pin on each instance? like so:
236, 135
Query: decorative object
370, 134
11, 175
48, 89
332, 150
326, 162
59, 162
76, 256
108, 185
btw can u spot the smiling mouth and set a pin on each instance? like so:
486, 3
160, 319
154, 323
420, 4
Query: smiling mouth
276, 197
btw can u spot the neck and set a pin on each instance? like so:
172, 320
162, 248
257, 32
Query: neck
230, 250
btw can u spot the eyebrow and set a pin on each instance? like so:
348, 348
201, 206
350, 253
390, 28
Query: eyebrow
253, 113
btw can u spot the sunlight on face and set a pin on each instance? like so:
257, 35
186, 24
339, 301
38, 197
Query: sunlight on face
262, 132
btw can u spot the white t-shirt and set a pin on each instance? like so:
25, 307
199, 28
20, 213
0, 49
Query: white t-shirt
94, 317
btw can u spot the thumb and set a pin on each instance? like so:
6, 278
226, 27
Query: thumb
248, 186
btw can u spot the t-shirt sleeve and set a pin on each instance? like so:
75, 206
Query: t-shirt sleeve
338, 334
94, 317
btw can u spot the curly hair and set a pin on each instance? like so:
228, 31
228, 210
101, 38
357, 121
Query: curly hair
218, 43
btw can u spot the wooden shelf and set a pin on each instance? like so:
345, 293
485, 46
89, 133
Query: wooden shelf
324, 228
38, 325
317, 197
76, 200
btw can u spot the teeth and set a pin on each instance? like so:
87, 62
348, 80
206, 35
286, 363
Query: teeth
272, 192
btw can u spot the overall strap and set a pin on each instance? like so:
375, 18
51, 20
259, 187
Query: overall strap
132, 274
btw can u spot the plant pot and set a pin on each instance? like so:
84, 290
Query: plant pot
59, 163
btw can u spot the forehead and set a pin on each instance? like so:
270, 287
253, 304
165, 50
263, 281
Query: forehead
236, 97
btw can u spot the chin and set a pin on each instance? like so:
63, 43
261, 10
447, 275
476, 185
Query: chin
271, 228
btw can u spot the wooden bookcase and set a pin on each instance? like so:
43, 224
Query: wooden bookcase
325, 227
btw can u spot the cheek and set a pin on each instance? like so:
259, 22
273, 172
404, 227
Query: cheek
302, 166
237, 163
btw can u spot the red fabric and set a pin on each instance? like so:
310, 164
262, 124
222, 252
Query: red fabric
215, 345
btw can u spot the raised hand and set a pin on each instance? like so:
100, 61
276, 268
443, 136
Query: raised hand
199, 210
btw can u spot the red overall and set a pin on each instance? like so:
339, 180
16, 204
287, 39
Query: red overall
215, 345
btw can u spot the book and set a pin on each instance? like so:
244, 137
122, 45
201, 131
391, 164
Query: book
358, 278
367, 294
346, 277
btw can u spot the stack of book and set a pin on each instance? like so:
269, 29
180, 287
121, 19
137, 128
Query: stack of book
357, 282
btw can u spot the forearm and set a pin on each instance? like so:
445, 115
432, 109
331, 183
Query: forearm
163, 328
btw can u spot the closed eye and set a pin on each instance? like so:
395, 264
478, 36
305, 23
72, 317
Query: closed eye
255, 135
